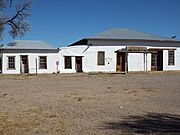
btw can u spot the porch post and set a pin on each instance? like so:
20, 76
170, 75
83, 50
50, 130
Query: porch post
146, 63
126, 62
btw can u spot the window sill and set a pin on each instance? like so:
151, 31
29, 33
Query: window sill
11, 69
101, 65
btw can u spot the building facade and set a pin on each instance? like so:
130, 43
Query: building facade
31, 57
115, 50
124, 50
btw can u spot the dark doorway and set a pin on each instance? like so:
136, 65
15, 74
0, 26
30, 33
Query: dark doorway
120, 63
157, 61
79, 64
24, 64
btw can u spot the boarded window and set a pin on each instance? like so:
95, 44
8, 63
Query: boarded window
11, 62
171, 57
67, 62
101, 58
42, 62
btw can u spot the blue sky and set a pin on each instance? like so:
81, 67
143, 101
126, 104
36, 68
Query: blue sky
61, 22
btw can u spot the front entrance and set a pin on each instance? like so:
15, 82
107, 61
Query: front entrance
79, 64
157, 61
120, 63
24, 64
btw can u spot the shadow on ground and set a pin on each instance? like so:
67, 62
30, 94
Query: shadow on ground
158, 123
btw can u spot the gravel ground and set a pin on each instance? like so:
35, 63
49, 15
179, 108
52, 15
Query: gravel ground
90, 104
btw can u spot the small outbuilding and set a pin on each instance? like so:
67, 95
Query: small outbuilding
26, 56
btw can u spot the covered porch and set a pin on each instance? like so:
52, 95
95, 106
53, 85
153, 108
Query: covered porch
139, 58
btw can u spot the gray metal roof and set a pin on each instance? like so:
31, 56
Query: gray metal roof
124, 33
28, 44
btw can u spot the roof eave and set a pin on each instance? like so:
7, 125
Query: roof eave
176, 41
11, 50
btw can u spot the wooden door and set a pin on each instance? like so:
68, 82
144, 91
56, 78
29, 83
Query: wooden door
78, 64
24, 64
157, 61
120, 63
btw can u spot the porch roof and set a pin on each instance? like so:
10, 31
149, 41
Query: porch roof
134, 49
141, 49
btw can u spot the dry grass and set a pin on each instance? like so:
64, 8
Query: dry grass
77, 104
30, 120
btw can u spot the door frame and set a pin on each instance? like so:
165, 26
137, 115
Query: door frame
158, 54
77, 65
27, 71
120, 61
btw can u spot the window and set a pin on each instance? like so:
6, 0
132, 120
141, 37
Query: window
101, 58
171, 57
67, 62
42, 62
154, 59
11, 62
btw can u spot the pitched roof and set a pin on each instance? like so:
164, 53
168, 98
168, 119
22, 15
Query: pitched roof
129, 34
28, 44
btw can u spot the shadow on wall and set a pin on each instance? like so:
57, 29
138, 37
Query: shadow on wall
155, 123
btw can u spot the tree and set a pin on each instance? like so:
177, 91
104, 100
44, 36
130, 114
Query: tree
15, 16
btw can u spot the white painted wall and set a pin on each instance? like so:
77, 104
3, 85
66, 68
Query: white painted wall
51, 63
90, 59
167, 67
62, 65
149, 61
136, 62
72, 51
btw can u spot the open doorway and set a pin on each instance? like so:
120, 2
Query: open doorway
79, 64
24, 64
120, 62
157, 61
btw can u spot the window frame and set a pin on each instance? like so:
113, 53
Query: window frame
14, 63
41, 62
69, 58
171, 58
99, 63
154, 59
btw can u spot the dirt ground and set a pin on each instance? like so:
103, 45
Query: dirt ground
90, 104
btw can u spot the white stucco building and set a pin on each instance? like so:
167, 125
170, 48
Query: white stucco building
121, 50
28, 57
115, 50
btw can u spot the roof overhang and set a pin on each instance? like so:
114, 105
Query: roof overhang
141, 49
29, 50
116, 39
